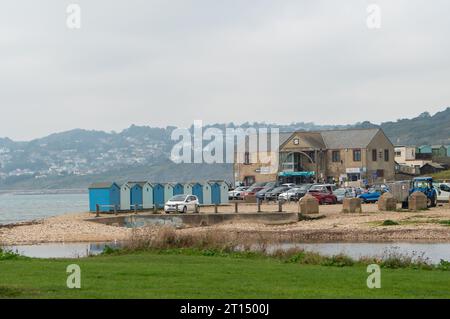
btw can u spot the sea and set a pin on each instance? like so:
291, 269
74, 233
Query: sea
17, 207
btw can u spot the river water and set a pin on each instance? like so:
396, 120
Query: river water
433, 252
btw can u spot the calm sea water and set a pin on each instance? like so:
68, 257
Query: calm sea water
18, 207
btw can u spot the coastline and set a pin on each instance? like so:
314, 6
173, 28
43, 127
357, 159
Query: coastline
421, 226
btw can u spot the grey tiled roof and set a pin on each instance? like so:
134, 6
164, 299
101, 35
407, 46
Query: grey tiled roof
354, 138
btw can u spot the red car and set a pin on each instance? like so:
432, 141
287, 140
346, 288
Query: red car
324, 196
251, 191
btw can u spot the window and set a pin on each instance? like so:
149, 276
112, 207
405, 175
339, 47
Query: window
335, 156
247, 158
374, 155
356, 155
386, 155
397, 154
249, 180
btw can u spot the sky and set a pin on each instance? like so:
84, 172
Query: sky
170, 62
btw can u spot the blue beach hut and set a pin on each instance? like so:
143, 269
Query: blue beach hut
215, 193
178, 189
158, 195
136, 194
106, 195
197, 190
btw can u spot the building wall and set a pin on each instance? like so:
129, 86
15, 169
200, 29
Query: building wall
366, 167
125, 197
241, 170
335, 170
380, 142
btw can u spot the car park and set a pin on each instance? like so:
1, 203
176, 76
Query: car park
182, 204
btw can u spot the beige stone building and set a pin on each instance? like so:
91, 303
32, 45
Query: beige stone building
355, 155
406, 155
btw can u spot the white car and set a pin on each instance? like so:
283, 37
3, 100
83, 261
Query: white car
342, 193
443, 191
236, 193
182, 204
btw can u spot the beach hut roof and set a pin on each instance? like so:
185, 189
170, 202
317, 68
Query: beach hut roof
102, 185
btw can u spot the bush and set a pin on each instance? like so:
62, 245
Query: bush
8, 255
444, 265
340, 260
389, 222
108, 250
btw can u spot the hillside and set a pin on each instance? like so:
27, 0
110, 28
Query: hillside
78, 157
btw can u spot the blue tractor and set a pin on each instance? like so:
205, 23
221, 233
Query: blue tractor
425, 185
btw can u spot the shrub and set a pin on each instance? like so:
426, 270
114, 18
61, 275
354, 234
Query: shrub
339, 260
445, 222
444, 265
389, 222
8, 255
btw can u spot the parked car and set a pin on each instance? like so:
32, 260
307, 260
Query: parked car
261, 195
371, 196
342, 193
274, 193
236, 193
294, 194
289, 185
251, 191
323, 194
443, 191
182, 204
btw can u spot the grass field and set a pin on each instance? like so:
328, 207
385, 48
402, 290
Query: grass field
181, 275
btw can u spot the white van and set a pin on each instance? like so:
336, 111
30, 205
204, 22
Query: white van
443, 190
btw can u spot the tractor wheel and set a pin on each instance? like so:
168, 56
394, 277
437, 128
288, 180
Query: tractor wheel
432, 202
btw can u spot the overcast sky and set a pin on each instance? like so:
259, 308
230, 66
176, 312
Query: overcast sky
170, 62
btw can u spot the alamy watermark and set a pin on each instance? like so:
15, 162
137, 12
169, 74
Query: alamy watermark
73, 20
374, 279
231, 145
373, 20
74, 278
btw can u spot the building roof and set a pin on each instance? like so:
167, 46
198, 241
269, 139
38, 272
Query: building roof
332, 139
435, 165
284, 136
353, 138
101, 185
314, 139
132, 184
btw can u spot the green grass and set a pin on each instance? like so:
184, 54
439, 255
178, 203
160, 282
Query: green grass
389, 222
186, 274
444, 175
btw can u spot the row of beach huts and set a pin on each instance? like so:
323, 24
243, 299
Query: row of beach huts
111, 196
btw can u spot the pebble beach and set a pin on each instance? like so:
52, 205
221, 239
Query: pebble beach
429, 225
